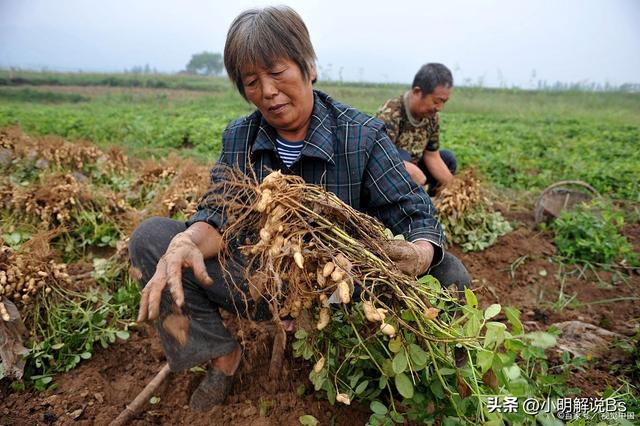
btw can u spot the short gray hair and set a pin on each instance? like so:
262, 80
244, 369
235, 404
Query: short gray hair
432, 75
263, 36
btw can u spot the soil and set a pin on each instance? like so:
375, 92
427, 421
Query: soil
516, 271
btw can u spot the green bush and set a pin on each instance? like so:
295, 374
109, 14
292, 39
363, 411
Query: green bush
72, 324
591, 234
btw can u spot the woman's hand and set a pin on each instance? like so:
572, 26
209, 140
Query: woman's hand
411, 258
183, 252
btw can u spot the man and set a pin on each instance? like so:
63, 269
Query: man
413, 124
269, 57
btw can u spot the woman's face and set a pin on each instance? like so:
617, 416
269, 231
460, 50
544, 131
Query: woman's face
283, 96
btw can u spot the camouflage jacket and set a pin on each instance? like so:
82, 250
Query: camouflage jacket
415, 140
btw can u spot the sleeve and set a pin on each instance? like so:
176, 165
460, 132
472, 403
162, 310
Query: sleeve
391, 121
229, 157
396, 200
433, 136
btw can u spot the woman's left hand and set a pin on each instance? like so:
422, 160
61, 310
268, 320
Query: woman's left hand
411, 258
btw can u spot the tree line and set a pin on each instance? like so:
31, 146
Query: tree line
205, 63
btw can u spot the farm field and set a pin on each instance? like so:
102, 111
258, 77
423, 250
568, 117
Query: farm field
128, 147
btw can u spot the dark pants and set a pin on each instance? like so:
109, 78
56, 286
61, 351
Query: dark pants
448, 158
207, 337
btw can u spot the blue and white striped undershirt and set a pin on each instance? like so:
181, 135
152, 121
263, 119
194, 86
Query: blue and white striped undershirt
288, 151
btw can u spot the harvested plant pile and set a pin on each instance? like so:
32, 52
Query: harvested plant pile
314, 244
30, 274
67, 210
466, 214
406, 346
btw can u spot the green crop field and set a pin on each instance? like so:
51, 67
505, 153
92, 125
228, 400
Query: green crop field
70, 206
518, 139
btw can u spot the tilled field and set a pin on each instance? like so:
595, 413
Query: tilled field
516, 271
99, 389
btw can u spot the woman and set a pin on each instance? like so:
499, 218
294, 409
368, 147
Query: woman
269, 57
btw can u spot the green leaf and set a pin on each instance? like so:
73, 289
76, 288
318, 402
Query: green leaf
494, 335
513, 315
154, 400
308, 420
541, 339
378, 407
446, 371
452, 421
45, 380
418, 356
518, 387
300, 390
362, 387
404, 385
484, 359
382, 383
85, 355
400, 362
122, 334
407, 315
431, 282
387, 368
297, 345
396, 417
492, 311
355, 378
472, 327
548, 419
57, 346
395, 344
512, 372
436, 388
301, 334
471, 298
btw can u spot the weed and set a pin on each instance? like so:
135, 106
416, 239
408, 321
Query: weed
563, 300
71, 323
591, 234
513, 268
378, 372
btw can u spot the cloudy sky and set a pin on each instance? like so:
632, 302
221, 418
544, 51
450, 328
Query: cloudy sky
493, 42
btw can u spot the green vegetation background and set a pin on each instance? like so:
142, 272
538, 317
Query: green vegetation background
519, 139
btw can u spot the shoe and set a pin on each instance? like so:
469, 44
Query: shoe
213, 389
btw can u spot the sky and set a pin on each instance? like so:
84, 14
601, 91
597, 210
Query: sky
490, 42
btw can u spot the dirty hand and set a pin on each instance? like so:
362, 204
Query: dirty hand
411, 258
181, 253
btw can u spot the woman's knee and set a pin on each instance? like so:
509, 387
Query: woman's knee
151, 238
451, 271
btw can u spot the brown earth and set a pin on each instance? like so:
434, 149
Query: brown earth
96, 391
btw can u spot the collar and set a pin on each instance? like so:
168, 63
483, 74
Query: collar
318, 143
407, 111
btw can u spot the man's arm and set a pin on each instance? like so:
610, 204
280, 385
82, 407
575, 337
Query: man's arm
431, 156
436, 167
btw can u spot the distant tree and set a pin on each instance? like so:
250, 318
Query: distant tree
139, 69
206, 63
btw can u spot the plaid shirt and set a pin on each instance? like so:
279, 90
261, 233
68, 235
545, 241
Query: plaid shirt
346, 152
